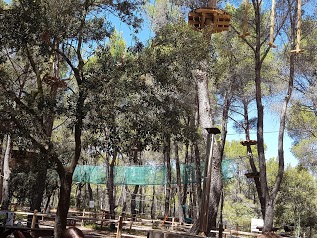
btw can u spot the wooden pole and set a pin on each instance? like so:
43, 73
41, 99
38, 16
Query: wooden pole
203, 216
271, 43
119, 229
33, 224
298, 33
245, 20
212, 3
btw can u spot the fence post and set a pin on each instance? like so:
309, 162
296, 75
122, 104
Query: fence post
33, 224
119, 229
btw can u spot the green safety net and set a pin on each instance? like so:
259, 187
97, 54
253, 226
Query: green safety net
146, 174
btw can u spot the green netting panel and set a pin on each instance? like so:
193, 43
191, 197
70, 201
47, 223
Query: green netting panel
145, 175
90, 173
140, 175
229, 168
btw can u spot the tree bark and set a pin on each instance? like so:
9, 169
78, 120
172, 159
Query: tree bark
204, 108
65, 176
251, 158
268, 221
3, 152
39, 171
133, 202
260, 110
198, 173
90, 194
268, 198
78, 196
179, 185
167, 159
110, 185
185, 184
66, 173
153, 203
124, 200
215, 190
6, 174
205, 121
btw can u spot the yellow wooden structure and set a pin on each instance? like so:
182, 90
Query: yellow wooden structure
213, 19
298, 33
245, 21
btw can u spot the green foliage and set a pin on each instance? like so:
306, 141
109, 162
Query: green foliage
239, 212
234, 150
297, 198
302, 126
117, 45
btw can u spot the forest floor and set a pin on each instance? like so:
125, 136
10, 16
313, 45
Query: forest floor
136, 232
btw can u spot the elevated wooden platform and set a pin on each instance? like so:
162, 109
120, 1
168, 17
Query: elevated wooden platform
210, 19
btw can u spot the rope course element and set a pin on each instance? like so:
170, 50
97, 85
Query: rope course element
144, 175
209, 19
298, 33
271, 43
245, 21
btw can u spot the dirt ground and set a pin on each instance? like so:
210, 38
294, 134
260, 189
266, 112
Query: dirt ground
127, 233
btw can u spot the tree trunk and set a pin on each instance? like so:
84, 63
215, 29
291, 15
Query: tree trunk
260, 110
204, 108
110, 186
251, 159
47, 204
38, 188
3, 152
141, 203
179, 186
167, 159
185, 184
153, 204
124, 200
268, 198
63, 203
215, 190
39, 171
90, 194
198, 173
133, 202
66, 174
205, 121
78, 196
6, 175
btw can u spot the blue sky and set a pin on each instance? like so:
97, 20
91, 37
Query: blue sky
271, 126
